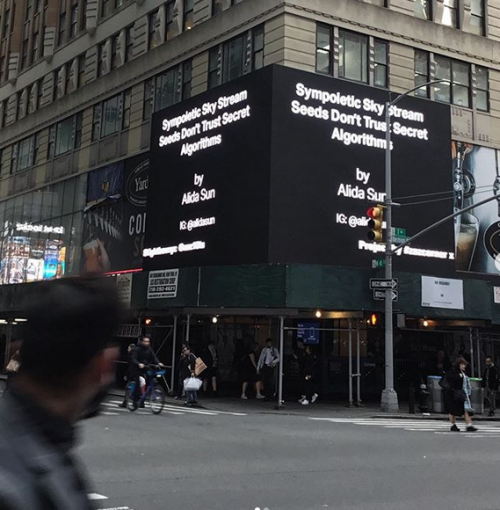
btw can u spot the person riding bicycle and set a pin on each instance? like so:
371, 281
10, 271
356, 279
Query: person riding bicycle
142, 358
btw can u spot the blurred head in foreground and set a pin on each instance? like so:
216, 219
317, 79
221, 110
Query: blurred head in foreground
67, 355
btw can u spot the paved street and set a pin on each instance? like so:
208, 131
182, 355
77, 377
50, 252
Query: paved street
210, 459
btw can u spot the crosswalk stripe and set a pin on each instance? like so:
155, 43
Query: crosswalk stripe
488, 430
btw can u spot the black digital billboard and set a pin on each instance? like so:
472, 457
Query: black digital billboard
282, 165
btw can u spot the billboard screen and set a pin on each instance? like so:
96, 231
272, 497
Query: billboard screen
282, 165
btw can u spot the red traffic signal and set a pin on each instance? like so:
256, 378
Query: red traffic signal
376, 215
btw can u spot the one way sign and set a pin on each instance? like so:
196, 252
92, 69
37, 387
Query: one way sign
379, 295
383, 283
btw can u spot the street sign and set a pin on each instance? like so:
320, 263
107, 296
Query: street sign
398, 232
382, 283
379, 295
399, 239
378, 263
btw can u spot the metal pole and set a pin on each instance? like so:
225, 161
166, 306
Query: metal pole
174, 357
279, 404
188, 323
471, 340
389, 401
8, 341
478, 350
358, 367
350, 363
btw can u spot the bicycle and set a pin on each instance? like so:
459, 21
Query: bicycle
154, 393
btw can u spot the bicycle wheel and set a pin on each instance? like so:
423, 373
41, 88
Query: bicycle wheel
157, 399
128, 397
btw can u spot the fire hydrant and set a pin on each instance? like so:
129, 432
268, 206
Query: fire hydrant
423, 397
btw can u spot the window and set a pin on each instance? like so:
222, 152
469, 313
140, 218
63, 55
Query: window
39, 91
172, 25
114, 47
126, 108
29, 10
381, 67
52, 141
83, 17
353, 56
147, 110
34, 48
187, 76
62, 28
129, 44
422, 75
422, 9
111, 116
1, 161
166, 91
188, 18
73, 29
22, 155
81, 70
234, 55
64, 136
153, 24
217, 6
477, 17
36, 148
6, 21
258, 48
455, 88
214, 76
78, 129
96, 122
106, 8
24, 55
2, 69
482, 89
324, 59
101, 50
450, 13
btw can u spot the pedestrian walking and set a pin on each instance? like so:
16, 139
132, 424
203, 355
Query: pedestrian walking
490, 384
457, 391
186, 370
269, 359
309, 360
67, 361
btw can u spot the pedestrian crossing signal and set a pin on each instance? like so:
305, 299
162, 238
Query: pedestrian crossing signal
374, 320
376, 215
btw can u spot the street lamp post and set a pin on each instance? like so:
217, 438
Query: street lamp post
389, 401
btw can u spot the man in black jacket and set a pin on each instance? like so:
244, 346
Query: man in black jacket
142, 358
67, 357
490, 384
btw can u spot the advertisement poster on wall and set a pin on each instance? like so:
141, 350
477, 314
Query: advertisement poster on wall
281, 166
115, 217
476, 177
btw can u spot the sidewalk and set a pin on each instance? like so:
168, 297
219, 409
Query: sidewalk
318, 410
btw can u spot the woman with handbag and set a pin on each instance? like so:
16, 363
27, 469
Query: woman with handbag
187, 371
457, 390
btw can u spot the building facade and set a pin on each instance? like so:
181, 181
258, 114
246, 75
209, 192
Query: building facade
80, 80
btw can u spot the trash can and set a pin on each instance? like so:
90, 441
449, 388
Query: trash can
477, 398
436, 404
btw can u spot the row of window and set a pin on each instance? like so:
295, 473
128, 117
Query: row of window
457, 82
354, 56
457, 85
115, 51
453, 14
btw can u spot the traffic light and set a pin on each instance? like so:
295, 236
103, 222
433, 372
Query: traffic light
374, 320
376, 215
